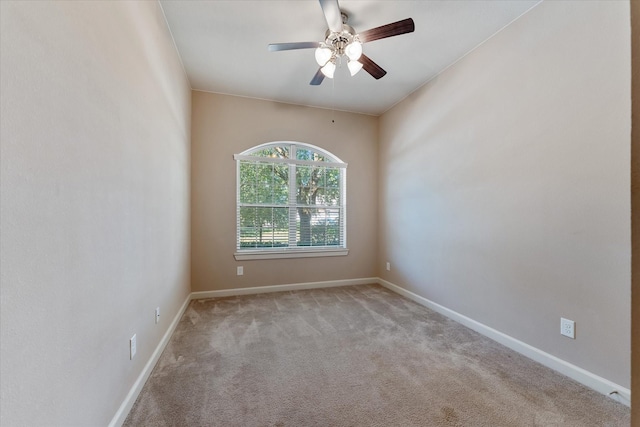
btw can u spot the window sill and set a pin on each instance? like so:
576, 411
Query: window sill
304, 253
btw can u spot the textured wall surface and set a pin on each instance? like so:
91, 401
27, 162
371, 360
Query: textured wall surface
225, 125
504, 185
635, 210
94, 203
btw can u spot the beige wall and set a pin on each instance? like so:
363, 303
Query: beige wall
94, 203
635, 211
225, 125
504, 185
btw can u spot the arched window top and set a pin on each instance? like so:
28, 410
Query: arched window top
298, 152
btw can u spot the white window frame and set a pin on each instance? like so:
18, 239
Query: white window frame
293, 251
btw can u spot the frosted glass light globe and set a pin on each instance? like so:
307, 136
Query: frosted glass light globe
354, 67
329, 69
354, 50
323, 55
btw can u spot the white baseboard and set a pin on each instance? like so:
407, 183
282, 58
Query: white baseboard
589, 379
121, 415
281, 288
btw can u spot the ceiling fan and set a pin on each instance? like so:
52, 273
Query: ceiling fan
342, 41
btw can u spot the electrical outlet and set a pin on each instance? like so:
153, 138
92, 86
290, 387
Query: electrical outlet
132, 347
240, 270
568, 328
157, 315
388, 266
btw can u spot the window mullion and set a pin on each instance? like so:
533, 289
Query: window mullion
293, 241
343, 208
238, 185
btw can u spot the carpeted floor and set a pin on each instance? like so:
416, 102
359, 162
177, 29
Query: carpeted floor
351, 356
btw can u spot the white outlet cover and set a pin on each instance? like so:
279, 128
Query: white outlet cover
132, 346
240, 270
568, 328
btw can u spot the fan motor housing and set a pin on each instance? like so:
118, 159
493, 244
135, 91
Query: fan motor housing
340, 40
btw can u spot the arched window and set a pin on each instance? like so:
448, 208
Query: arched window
290, 202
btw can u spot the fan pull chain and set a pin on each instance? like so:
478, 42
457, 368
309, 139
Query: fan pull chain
333, 100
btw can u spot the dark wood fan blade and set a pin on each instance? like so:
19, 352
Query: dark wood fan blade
318, 78
371, 67
274, 47
389, 30
331, 10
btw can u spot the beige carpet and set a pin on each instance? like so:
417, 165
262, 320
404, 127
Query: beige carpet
351, 356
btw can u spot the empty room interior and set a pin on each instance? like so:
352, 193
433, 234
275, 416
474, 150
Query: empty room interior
202, 222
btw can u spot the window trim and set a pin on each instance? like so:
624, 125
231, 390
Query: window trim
298, 251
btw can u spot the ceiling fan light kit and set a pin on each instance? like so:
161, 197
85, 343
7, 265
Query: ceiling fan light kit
341, 41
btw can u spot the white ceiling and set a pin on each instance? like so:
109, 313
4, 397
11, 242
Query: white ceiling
223, 46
